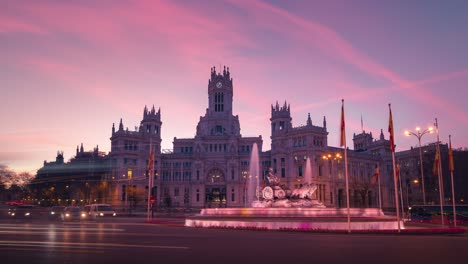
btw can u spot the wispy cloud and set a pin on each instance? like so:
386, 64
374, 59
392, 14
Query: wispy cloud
14, 25
337, 46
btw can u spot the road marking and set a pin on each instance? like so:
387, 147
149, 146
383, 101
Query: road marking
54, 228
59, 244
55, 250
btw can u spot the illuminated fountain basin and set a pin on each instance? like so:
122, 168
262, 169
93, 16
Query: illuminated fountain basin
293, 218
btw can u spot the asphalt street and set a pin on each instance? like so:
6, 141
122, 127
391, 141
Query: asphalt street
131, 240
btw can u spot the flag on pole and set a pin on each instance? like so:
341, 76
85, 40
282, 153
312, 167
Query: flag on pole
398, 168
450, 156
343, 133
375, 177
435, 168
151, 161
390, 130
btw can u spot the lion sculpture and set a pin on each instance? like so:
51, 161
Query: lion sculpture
305, 192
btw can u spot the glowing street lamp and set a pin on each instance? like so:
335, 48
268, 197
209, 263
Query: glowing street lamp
332, 158
419, 134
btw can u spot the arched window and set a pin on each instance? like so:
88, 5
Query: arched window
215, 175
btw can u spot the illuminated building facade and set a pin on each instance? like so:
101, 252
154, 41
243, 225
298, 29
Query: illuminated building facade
210, 169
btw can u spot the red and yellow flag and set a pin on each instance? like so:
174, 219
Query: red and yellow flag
151, 161
450, 156
398, 169
390, 130
435, 168
375, 177
343, 132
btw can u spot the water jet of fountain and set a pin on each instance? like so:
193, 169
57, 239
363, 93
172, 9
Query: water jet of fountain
254, 176
308, 171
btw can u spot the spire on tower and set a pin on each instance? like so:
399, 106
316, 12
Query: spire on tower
381, 135
81, 148
120, 125
152, 110
362, 125
113, 128
145, 111
324, 122
309, 120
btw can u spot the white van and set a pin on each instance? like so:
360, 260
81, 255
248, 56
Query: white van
101, 210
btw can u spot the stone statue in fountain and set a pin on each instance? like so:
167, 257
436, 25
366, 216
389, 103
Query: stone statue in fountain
276, 194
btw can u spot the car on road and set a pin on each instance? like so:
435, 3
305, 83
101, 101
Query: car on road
72, 213
101, 210
55, 212
23, 212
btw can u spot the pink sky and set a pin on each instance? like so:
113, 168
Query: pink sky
70, 69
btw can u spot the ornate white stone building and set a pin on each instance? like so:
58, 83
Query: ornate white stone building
210, 169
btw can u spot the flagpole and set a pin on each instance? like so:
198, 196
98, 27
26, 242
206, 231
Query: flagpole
401, 193
347, 188
149, 182
392, 148
452, 168
380, 194
439, 174
343, 143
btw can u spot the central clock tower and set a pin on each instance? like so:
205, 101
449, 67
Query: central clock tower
219, 120
220, 92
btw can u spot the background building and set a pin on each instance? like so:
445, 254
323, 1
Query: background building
82, 180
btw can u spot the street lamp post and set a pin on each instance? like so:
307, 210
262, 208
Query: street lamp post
332, 158
419, 135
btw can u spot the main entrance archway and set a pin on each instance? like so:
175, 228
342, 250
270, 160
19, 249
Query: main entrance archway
215, 192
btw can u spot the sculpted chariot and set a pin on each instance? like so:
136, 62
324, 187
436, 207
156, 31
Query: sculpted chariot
276, 194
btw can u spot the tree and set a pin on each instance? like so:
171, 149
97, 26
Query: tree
9, 178
13, 184
362, 189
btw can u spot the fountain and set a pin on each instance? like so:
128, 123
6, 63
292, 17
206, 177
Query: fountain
308, 171
278, 207
254, 178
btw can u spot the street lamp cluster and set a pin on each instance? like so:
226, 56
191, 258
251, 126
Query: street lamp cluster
332, 157
419, 134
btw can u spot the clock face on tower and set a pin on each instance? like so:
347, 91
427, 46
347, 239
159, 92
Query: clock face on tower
219, 85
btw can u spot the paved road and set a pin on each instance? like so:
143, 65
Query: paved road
130, 240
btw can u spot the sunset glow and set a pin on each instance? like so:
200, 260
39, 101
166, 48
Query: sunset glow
70, 69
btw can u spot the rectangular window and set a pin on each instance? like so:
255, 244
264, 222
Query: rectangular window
198, 175
283, 172
232, 174
300, 170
